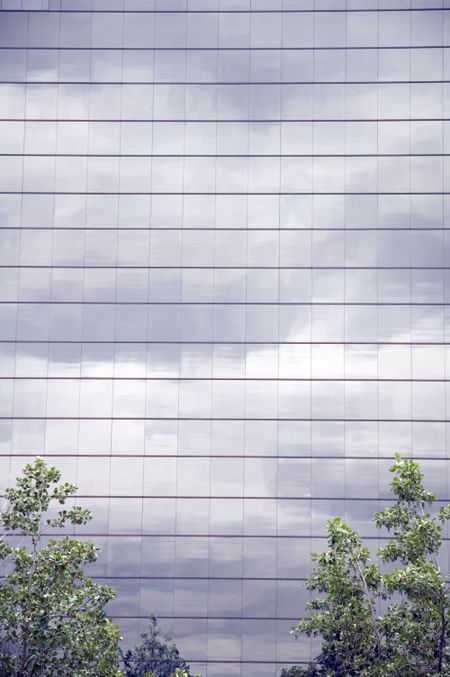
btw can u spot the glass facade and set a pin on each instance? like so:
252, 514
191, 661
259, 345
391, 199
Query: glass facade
224, 288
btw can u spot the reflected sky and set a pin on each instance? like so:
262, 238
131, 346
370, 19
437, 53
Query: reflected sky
223, 289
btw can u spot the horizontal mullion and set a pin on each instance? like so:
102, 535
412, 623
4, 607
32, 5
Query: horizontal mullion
200, 578
193, 578
375, 10
278, 229
438, 304
243, 379
203, 537
278, 664
291, 619
350, 499
224, 343
224, 155
217, 83
220, 48
310, 457
185, 578
89, 120
150, 267
225, 418
220, 193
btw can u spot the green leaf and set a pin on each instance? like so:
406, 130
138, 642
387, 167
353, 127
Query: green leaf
377, 622
53, 620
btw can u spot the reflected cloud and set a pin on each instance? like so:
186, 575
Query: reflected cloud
219, 367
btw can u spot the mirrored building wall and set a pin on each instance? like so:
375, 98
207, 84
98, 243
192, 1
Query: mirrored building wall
224, 288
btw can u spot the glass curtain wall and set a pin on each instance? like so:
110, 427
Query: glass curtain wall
224, 287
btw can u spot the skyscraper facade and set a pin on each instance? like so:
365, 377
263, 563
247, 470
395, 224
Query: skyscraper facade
223, 288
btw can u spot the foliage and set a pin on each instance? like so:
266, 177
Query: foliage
296, 671
52, 616
377, 620
155, 656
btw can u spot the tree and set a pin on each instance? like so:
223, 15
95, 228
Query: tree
377, 620
156, 656
52, 616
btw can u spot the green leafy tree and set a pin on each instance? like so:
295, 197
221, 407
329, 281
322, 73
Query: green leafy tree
155, 656
52, 616
376, 620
